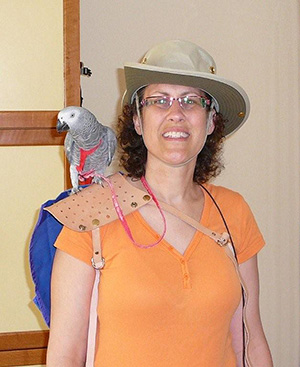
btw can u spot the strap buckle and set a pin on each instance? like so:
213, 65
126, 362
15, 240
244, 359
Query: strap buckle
223, 240
98, 266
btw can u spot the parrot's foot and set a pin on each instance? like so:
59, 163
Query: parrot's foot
75, 190
98, 180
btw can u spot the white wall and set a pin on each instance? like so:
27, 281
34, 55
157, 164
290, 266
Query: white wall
255, 43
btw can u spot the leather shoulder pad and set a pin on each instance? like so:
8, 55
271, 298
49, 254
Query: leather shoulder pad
93, 206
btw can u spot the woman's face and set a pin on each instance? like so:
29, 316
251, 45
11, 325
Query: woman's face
174, 135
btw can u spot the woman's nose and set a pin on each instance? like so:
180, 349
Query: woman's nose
175, 111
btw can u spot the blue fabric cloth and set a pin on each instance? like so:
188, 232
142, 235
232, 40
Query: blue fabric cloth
41, 255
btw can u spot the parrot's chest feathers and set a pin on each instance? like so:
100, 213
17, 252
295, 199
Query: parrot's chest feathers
87, 142
82, 158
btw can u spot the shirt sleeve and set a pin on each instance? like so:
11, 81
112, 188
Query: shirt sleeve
249, 238
76, 244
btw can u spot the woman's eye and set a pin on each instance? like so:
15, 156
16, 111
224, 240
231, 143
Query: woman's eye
160, 101
187, 101
192, 101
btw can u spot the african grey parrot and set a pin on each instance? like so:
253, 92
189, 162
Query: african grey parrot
89, 145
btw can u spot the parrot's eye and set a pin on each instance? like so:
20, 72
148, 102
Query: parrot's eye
73, 115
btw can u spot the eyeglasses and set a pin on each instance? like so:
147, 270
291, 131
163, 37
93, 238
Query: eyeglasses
186, 102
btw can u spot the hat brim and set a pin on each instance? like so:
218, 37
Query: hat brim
232, 101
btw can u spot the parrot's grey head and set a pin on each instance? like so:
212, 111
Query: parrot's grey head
68, 117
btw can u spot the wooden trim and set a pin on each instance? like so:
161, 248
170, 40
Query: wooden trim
67, 177
71, 64
24, 340
29, 128
28, 119
23, 348
72, 52
29, 357
25, 137
38, 127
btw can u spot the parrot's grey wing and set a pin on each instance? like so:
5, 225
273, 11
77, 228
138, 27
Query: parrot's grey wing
112, 144
69, 147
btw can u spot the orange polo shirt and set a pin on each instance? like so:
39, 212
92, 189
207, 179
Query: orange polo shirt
158, 308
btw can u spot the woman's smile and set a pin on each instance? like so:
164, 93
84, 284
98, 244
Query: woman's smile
175, 134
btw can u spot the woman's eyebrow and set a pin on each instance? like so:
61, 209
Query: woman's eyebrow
157, 92
185, 93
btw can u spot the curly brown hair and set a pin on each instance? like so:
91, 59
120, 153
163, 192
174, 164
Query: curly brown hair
133, 152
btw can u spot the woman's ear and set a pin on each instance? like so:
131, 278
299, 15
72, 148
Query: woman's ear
137, 124
210, 126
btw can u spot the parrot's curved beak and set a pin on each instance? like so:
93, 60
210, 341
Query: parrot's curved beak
62, 126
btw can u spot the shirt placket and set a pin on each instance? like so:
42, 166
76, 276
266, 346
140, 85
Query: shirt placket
186, 278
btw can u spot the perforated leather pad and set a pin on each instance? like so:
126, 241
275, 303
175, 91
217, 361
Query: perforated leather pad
93, 206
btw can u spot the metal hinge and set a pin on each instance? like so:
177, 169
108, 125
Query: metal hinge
84, 70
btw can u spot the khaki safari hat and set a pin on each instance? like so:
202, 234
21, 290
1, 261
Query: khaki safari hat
184, 63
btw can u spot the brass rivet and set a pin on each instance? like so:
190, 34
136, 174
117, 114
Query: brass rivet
134, 204
212, 69
82, 227
146, 197
95, 222
241, 114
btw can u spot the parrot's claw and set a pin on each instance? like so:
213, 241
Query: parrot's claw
98, 180
75, 190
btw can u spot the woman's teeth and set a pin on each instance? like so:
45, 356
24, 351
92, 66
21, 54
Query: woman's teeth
175, 134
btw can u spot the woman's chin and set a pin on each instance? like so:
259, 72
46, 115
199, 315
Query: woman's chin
178, 161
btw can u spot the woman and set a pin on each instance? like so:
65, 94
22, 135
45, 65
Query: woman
176, 301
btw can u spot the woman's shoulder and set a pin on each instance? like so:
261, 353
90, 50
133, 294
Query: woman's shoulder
229, 201
223, 193
238, 215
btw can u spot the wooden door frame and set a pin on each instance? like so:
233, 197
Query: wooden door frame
23, 128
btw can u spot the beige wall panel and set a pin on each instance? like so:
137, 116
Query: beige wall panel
32, 176
31, 59
255, 43
31, 78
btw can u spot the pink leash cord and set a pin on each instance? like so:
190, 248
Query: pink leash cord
121, 215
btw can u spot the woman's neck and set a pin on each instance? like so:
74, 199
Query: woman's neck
172, 185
